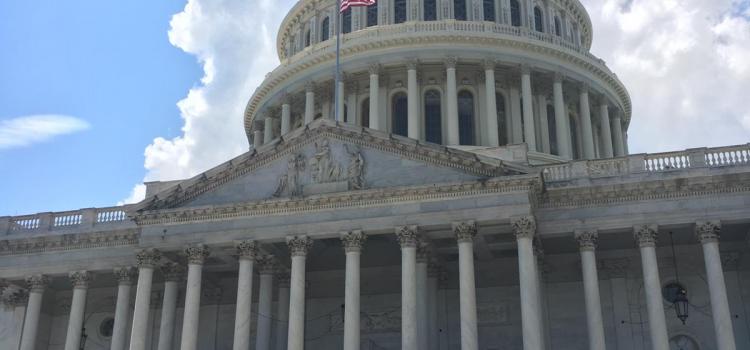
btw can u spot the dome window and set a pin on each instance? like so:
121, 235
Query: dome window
466, 118
372, 15
459, 9
489, 10
324, 28
346, 21
515, 13
430, 10
399, 13
538, 20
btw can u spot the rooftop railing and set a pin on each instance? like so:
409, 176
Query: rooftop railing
78, 219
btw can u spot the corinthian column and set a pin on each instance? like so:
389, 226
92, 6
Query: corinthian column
266, 266
423, 256
646, 237
587, 245
465, 232
282, 312
493, 137
586, 129
408, 239
124, 277
374, 70
708, 234
298, 247
309, 102
37, 284
529, 132
246, 251
524, 228
286, 117
561, 120
352, 242
413, 99
145, 260
606, 130
80, 281
173, 274
196, 255
618, 142
452, 101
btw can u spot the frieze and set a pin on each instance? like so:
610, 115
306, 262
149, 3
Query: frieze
68, 242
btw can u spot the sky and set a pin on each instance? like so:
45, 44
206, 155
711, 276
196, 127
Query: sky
97, 97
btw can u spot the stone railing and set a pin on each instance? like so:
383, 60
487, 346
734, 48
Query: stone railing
79, 219
650, 163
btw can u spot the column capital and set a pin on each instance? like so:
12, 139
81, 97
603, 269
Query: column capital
13, 296
37, 283
408, 236
583, 88
450, 62
80, 279
646, 235
310, 86
525, 69
586, 239
125, 275
147, 258
246, 250
558, 77
374, 68
266, 264
465, 231
353, 241
299, 245
523, 226
412, 63
489, 64
196, 254
708, 231
172, 271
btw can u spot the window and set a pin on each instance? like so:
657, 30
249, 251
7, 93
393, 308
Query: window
324, 27
538, 20
502, 123
515, 13
346, 114
574, 137
558, 26
307, 38
346, 21
430, 10
433, 117
366, 113
399, 112
459, 9
489, 10
552, 127
399, 12
372, 15
466, 118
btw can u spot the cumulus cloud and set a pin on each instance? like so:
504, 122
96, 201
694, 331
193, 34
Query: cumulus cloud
31, 129
136, 195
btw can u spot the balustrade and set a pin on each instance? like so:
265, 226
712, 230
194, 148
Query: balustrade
63, 220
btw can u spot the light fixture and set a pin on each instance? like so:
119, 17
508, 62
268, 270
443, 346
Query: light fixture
680, 301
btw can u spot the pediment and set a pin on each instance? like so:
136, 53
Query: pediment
328, 157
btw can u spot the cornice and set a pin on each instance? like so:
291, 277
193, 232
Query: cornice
45, 244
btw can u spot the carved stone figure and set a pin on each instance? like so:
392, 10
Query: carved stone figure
323, 168
290, 182
355, 171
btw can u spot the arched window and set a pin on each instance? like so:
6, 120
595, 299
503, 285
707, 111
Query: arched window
346, 21
399, 113
372, 15
502, 122
459, 10
552, 127
574, 137
515, 13
430, 10
538, 20
399, 11
307, 38
558, 26
365, 113
324, 27
489, 10
466, 118
432, 117
346, 114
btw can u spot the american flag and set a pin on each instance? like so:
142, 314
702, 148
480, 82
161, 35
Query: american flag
345, 4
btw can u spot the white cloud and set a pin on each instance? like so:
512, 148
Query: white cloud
136, 195
31, 129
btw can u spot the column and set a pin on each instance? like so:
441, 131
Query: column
374, 70
352, 242
266, 265
493, 137
246, 250
267, 130
586, 129
564, 147
298, 247
286, 118
543, 124
606, 130
37, 284
617, 143
173, 274
257, 138
413, 99
646, 237
524, 228
433, 272
541, 286
465, 232
309, 102
617, 271
80, 281
528, 109
124, 277
16, 299
282, 312
340, 100
452, 102
423, 255
708, 234
408, 239
352, 108
196, 255
587, 246
515, 115
145, 260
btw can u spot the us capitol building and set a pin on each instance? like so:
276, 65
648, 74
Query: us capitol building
476, 193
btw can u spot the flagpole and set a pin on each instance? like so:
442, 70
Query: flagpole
337, 113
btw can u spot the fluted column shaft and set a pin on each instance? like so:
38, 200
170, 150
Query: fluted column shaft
708, 234
493, 133
80, 280
374, 98
122, 308
564, 147
282, 313
173, 274
196, 255
422, 322
587, 245
413, 101
586, 129
515, 116
309, 103
465, 233
452, 103
529, 131
525, 229
267, 130
286, 118
352, 242
37, 284
246, 251
646, 238
606, 131
408, 240
146, 260
265, 299
619, 145
432, 298
298, 247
